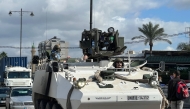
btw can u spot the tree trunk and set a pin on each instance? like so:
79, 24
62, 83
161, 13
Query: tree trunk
151, 49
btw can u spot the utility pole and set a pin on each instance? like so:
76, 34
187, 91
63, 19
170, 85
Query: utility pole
31, 14
187, 29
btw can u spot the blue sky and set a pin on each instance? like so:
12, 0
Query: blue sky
167, 14
66, 19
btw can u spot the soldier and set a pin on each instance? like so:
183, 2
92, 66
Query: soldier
85, 57
55, 53
118, 63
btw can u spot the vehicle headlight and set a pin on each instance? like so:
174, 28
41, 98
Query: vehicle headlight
153, 82
17, 103
81, 82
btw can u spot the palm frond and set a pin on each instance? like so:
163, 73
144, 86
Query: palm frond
155, 28
158, 32
144, 30
150, 28
146, 41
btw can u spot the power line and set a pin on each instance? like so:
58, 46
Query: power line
166, 36
35, 47
187, 32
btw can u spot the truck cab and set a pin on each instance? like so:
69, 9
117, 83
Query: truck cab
17, 76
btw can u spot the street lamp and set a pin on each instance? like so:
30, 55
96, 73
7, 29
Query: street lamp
31, 14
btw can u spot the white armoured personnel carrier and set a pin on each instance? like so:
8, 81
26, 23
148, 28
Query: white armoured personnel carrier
95, 83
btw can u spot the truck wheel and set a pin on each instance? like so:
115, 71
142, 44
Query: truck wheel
49, 105
37, 104
43, 104
56, 106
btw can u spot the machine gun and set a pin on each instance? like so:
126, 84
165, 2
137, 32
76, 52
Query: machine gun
101, 45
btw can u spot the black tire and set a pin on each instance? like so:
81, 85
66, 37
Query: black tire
56, 106
6, 107
49, 105
9, 106
42, 104
37, 104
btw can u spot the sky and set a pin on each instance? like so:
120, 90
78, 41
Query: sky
67, 19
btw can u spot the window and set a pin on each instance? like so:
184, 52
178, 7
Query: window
4, 91
19, 75
21, 92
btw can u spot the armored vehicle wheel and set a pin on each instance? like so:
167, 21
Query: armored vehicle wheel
56, 106
37, 104
49, 105
6, 107
42, 104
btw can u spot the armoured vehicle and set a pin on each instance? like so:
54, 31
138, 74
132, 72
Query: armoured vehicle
94, 83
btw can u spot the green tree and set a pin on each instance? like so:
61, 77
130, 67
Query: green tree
3, 54
183, 46
151, 34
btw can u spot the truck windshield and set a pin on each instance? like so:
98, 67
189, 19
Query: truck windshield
19, 75
21, 92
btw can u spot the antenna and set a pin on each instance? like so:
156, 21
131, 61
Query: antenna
91, 4
46, 24
129, 60
22, 63
93, 17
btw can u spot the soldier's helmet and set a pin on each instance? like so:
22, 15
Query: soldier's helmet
118, 60
57, 48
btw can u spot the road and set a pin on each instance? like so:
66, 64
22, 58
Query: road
3, 107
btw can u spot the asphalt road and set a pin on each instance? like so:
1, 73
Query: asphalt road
3, 107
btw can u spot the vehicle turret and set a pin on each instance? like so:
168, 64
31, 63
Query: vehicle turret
97, 44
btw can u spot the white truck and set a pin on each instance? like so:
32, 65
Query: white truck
17, 76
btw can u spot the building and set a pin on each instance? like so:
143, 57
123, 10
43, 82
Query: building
174, 60
45, 47
33, 66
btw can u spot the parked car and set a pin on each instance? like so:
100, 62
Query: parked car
187, 101
3, 94
20, 98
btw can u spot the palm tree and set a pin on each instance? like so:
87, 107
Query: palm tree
3, 54
151, 33
183, 46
